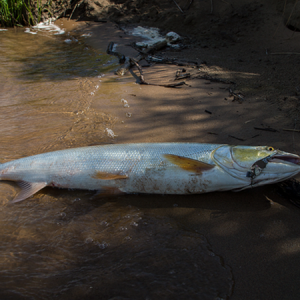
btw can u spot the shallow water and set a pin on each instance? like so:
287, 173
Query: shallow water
73, 244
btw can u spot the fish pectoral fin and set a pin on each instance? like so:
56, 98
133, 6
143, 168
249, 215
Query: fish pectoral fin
28, 189
188, 164
109, 176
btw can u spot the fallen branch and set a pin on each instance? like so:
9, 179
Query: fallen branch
236, 138
126, 61
178, 7
142, 79
294, 130
191, 1
129, 62
266, 129
191, 64
181, 74
73, 11
252, 137
212, 79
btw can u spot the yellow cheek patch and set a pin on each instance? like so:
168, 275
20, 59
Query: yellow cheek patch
108, 176
244, 154
188, 164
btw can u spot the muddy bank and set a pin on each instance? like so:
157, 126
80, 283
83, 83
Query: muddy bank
234, 38
255, 231
251, 236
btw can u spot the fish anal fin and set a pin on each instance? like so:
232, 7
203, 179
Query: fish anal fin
188, 164
28, 189
109, 176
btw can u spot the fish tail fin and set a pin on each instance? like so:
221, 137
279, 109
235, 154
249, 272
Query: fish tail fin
1, 169
27, 189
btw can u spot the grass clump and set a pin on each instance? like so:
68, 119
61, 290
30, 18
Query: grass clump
22, 12
14, 12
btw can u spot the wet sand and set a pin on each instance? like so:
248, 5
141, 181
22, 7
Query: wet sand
256, 232
75, 244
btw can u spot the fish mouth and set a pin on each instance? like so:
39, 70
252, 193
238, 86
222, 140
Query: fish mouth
293, 159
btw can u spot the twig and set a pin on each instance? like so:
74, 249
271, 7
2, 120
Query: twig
212, 79
252, 137
236, 138
181, 74
178, 7
294, 130
142, 79
291, 13
189, 5
192, 64
266, 129
129, 62
73, 11
140, 70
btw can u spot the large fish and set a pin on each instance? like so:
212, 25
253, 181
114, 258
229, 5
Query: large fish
160, 168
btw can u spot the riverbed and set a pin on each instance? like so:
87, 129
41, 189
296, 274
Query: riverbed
60, 91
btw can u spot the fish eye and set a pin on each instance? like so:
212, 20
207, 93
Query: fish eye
270, 148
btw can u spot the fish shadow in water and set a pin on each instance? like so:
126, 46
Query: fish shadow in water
256, 199
248, 200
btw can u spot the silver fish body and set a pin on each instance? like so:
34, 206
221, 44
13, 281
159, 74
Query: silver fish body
161, 168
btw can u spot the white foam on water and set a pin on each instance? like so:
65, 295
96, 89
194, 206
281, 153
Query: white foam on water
49, 26
27, 30
3, 29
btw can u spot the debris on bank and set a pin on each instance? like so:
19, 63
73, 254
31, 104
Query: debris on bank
110, 133
152, 36
153, 41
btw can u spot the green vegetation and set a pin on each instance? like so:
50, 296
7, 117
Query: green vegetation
22, 12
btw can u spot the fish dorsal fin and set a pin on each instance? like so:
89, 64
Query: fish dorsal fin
28, 189
109, 176
188, 164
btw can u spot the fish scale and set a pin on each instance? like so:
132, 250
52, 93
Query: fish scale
164, 168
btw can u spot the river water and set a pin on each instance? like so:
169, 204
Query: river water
56, 93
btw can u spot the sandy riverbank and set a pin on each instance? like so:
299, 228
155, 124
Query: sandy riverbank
256, 232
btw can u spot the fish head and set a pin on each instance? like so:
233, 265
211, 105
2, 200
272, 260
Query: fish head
257, 165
